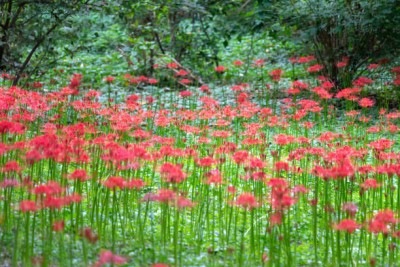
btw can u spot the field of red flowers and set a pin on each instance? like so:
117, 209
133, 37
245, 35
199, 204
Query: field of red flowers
193, 178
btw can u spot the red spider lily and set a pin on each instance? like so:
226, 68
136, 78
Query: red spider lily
381, 222
9, 183
305, 59
172, 173
276, 74
328, 85
293, 60
58, 226
164, 195
299, 85
79, 174
28, 206
88, 234
281, 199
281, 166
362, 81
231, 189
275, 218
277, 182
182, 202
220, 69
348, 225
11, 166
376, 227
322, 93
366, 102
381, 144
152, 81
11, 127
283, 139
51, 188
373, 66
109, 79
350, 208
54, 202
75, 81
205, 88
240, 156
181, 73
115, 182
300, 189
185, 81
135, 184
242, 98
185, 93
370, 183
74, 198
347, 92
315, 68
255, 163
237, 63
107, 257
259, 62
172, 65
246, 201
205, 162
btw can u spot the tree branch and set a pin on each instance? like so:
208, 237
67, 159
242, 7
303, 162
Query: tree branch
33, 50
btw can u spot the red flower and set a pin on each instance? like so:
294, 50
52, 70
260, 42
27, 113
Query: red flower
88, 234
305, 59
348, 225
11, 166
276, 218
277, 182
164, 195
247, 201
281, 165
172, 173
183, 202
370, 183
205, 89
135, 183
366, 102
276, 74
185, 93
79, 174
51, 188
172, 65
315, 68
372, 66
114, 182
220, 68
107, 257
350, 208
27, 205
152, 81
362, 81
109, 79
185, 81
181, 73
58, 226
237, 63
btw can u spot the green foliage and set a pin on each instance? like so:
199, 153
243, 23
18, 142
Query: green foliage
363, 31
29, 30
